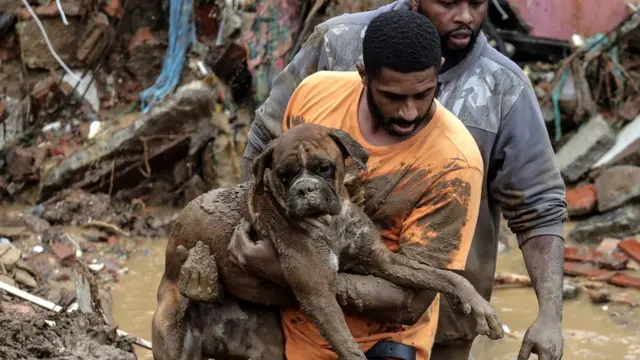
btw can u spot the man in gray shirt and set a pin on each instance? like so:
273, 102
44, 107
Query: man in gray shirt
491, 95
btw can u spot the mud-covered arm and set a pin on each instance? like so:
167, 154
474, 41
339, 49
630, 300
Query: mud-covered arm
267, 124
529, 189
357, 295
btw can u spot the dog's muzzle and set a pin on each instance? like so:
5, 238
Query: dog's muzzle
310, 196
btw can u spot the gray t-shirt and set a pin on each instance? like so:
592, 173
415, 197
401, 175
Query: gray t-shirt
494, 99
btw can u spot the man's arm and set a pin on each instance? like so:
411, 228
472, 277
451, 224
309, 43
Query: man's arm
267, 124
531, 193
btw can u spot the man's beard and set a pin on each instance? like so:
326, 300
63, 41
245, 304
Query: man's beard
379, 121
453, 57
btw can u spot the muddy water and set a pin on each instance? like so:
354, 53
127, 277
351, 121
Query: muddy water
590, 331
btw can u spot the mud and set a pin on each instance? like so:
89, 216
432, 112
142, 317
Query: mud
28, 332
609, 331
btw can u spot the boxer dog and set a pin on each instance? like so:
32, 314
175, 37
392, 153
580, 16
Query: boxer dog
296, 199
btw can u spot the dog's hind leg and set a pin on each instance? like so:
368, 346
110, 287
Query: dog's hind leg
170, 326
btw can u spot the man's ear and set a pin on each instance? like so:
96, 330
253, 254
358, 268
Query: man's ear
350, 148
414, 5
362, 73
262, 162
442, 61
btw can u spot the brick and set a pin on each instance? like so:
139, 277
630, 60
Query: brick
585, 270
620, 223
612, 277
581, 200
584, 149
616, 186
631, 247
625, 281
615, 261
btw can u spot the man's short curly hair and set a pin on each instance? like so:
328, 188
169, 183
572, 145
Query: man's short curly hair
402, 41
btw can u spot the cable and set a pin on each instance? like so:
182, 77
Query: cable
64, 18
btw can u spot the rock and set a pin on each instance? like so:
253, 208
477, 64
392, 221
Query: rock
25, 278
13, 124
25, 161
34, 50
9, 255
616, 186
581, 200
626, 151
608, 245
192, 104
7, 280
620, 223
584, 149
570, 291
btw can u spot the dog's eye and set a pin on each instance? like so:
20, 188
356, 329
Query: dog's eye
285, 176
325, 170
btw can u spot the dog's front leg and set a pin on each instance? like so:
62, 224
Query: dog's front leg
406, 272
313, 283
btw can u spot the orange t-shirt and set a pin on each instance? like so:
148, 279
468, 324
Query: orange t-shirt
422, 193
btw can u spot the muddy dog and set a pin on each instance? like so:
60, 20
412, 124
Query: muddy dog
298, 200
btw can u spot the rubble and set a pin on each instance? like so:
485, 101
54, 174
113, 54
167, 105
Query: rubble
622, 222
581, 200
584, 149
616, 186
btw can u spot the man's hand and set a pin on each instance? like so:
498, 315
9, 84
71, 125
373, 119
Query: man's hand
543, 256
256, 257
543, 338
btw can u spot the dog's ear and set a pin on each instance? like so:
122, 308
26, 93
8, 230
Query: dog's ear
262, 162
350, 148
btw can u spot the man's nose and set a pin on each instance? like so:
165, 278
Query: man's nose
463, 13
409, 110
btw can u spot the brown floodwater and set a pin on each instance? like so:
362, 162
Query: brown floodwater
590, 331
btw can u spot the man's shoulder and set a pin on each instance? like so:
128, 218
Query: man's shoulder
364, 18
502, 68
351, 26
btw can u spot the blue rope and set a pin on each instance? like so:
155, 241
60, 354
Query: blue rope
182, 33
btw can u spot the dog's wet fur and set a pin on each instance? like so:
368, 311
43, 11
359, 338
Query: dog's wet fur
209, 307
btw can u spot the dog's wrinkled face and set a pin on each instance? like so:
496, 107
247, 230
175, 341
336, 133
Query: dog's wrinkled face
307, 169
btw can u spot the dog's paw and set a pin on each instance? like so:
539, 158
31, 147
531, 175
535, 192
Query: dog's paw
487, 322
199, 274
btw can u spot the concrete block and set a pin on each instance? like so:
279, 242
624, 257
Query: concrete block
616, 186
584, 149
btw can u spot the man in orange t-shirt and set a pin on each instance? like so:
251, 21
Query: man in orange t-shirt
424, 176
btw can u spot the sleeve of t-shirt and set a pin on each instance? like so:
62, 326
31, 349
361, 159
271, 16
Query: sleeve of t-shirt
440, 228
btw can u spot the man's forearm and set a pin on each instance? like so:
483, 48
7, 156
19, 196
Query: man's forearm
381, 300
544, 258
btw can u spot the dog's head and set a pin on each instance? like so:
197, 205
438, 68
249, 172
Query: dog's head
306, 167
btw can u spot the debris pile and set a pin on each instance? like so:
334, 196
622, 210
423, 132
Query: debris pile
590, 101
